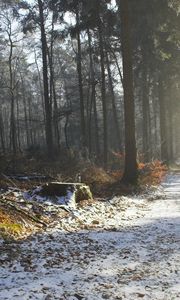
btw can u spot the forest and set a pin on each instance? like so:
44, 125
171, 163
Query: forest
89, 149
90, 80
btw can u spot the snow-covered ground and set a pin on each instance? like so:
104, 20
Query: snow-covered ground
126, 248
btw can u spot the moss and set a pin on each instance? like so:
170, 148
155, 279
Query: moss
10, 229
83, 193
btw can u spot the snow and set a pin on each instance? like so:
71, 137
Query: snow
125, 248
54, 201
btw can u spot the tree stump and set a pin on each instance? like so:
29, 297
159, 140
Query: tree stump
60, 193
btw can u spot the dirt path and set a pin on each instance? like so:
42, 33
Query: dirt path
137, 259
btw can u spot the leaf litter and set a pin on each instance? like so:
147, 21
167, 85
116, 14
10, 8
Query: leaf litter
124, 248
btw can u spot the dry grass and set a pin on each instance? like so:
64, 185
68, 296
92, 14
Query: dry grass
152, 173
103, 185
11, 226
98, 179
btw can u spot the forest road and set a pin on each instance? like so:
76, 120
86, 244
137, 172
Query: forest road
138, 260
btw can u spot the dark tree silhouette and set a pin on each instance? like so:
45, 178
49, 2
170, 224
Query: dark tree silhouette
130, 171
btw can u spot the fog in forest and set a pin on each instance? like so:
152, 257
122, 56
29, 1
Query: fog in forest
93, 81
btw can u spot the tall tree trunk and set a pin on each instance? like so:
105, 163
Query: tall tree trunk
96, 134
163, 131
171, 124
117, 63
25, 111
66, 131
92, 100
114, 109
53, 98
30, 121
103, 94
81, 96
155, 114
40, 84
130, 171
2, 133
18, 124
13, 141
5, 113
145, 107
171, 134
47, 102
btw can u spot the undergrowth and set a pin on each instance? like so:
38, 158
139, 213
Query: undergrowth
14, 225
152, 173
71, 169
103, 184
10, 227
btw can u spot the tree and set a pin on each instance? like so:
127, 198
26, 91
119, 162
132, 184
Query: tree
69, 94
130, 170
80, 80
12, 84
48, 104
